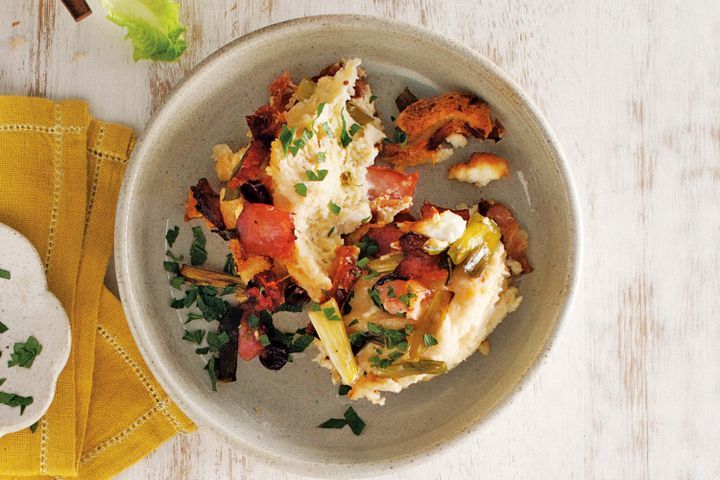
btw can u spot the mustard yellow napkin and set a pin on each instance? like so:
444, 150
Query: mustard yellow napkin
60, 172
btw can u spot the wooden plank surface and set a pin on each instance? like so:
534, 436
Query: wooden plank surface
631, 388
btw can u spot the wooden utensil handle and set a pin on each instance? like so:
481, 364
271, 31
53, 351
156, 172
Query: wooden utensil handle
79, 9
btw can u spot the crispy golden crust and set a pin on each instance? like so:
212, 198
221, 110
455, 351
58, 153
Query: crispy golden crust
428, 122
481, 169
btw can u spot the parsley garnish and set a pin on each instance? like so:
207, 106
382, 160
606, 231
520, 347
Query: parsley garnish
390, 291
320, 109
34, 426
334, 208
398, 137
3, 327
288, 307
194, 336
286, 136
171, 267
368, 247
372, 98
198, 255
375, 296
331, 231
301, 189
193, 316
24, 353
210, 367
345, 139
4, 274
330, 314
406, 298
363, 262
354, 322
318, 176
172, 235
174, 257
352, 419
429, 340
14, 400
321, 157
344, 389
409, 328
301, 142
216, 340
229, 267
371, 274
264, 340
354, 128
301, 343
176, 282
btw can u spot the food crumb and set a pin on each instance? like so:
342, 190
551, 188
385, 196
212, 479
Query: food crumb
17, 42
257, 409
79, 56
16, 23
484, 348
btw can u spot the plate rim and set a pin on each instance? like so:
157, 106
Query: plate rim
332, 470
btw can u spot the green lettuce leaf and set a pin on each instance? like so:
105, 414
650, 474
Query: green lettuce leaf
153, 26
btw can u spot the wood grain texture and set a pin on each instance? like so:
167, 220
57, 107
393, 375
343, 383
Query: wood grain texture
631, 387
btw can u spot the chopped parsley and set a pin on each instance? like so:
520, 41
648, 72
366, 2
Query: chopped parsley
321, 157
344, 389
176, 282
174, 257
330, 314
301, 189
210, 367
354, 128
34, 426
351, 419
354, 322
216, 340
14, 400
345, 138
390, 291
390, 337
334, 208
3, 327
320, 109
286, 136
24, 353
372, 98
409, 328
301, 142
4, 274
288, 307
264, 340
301, 343
229, 267
378, 362
253, 321
371, 274
375, 297
318, 176
362, 263
171, 267
194, 336
172, 235
331, 231
193, 316
429, 340
399, 137
198, 255
368, 247
406, 298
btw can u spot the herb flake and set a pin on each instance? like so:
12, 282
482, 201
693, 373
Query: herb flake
24, 353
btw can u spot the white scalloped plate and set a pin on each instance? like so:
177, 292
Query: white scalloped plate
28, 308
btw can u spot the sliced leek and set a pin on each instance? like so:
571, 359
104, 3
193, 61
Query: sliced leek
334, 339
386, 263
405, 369
476, 245
200, 276
430, 323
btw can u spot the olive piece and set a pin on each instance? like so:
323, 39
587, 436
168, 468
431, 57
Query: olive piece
255, 192
296, 295
275, 356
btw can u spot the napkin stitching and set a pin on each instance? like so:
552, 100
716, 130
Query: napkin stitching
57, 189
43, 444
28, 127
140, 376
96, 177
107, 156
121, 436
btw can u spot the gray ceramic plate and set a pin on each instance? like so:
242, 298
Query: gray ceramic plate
273, 414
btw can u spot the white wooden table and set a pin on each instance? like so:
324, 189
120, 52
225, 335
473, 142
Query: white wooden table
631, 388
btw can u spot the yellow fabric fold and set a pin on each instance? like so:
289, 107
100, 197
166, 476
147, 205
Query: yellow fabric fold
61, 172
